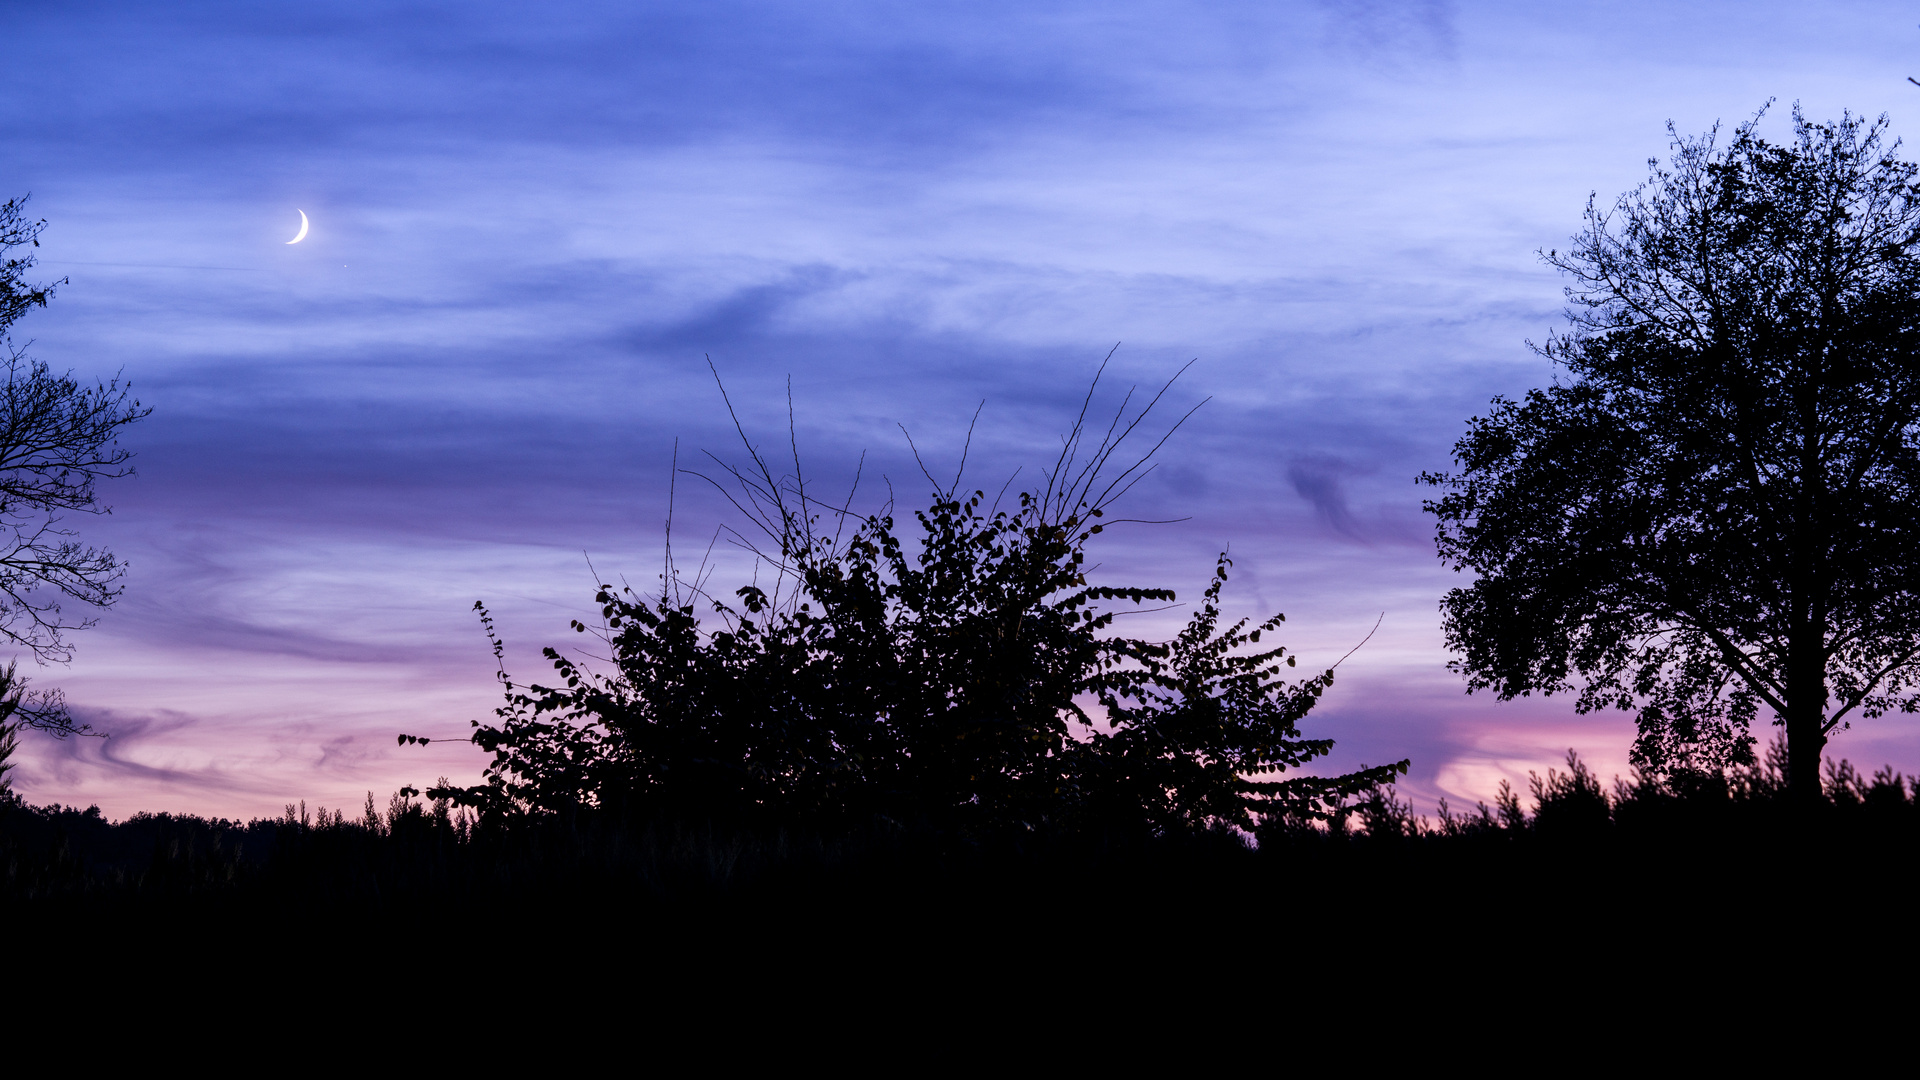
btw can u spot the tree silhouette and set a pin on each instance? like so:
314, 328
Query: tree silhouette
1715, 509
58, 439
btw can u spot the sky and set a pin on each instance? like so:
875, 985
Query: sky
534, 227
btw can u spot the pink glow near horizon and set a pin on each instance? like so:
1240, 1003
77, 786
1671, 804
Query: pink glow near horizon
475, 367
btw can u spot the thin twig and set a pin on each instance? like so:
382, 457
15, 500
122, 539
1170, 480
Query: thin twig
1363, 641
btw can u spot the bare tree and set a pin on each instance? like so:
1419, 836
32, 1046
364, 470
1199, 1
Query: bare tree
58, 439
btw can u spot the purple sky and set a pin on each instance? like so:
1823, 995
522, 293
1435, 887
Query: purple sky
530, 225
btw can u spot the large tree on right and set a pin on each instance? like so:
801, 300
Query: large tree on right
1713, 510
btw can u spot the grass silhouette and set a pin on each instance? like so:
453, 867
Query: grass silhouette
1638, 863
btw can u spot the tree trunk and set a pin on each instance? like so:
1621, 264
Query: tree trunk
1807, 637
1805, 741
1806, 717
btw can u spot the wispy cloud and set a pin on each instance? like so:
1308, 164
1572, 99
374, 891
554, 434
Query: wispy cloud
527, 237
1321, 481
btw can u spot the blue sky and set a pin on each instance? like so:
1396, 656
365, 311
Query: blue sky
532, 225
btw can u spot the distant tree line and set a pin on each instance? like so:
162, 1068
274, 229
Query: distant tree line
411, 857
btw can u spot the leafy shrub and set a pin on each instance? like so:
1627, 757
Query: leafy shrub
939, 678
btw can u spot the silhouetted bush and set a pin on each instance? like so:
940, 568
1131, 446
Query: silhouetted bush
933, 678
1570, 803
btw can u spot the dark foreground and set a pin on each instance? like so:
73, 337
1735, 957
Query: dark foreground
1583, 888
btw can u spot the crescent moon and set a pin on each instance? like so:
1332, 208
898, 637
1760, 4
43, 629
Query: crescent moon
302, 235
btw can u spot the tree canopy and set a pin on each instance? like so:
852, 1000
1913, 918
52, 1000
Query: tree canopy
1712, 510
